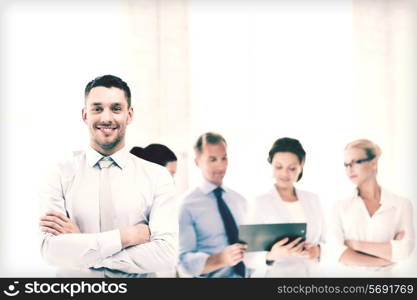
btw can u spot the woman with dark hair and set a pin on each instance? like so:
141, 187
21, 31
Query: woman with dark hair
159, 154
285, 203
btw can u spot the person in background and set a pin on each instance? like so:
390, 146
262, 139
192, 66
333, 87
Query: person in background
373, 228
159, 154
285, 203
209, 217
165, 157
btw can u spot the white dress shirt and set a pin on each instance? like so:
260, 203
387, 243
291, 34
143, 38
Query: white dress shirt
351, 221
270, 208
142, 192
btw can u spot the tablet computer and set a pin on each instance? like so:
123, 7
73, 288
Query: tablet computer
261, 237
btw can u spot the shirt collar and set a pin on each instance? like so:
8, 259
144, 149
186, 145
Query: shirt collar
207, 187
276, 194
386, 198
119, 157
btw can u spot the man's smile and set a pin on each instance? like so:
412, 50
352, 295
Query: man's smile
107, 130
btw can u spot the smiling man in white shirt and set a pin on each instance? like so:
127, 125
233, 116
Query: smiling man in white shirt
106, 212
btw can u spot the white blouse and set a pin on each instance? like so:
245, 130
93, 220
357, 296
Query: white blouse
270, 208
351, 221
296, 211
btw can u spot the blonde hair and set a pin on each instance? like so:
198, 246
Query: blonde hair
371, 149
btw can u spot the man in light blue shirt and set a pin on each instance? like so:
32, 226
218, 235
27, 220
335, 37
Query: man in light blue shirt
209, 216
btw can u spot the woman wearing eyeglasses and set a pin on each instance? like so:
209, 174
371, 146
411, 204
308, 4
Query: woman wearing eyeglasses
373, 228
284, 203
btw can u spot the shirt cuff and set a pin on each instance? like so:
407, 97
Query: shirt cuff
109, 243
194, 263
331, 252
396, 250
256, 262
119, 262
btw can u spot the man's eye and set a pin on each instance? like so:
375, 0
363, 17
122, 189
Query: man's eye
97, 109
117, 108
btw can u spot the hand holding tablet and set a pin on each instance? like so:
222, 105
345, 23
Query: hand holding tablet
262, 237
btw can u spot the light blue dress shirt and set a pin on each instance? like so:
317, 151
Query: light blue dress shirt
202, 232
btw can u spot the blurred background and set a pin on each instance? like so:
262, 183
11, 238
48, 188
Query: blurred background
324, 72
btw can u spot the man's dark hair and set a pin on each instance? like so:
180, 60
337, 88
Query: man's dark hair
207, 138
109, 81
288, 145
156, 153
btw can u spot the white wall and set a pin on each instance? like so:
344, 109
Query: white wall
49, 52
275, 69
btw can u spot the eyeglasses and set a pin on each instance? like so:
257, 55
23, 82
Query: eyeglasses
357, 162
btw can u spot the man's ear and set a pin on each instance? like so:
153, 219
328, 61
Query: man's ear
130, 115
196, 161
84, 115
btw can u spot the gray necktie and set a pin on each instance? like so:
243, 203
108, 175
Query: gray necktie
106, 205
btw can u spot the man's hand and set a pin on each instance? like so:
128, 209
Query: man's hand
135, 235
230, 256
57, 223
233, 254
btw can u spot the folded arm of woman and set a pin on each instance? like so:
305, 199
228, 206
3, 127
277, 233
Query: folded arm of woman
381, 250
351, 257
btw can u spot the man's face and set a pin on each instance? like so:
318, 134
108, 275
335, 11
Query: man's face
106, 114
213, 162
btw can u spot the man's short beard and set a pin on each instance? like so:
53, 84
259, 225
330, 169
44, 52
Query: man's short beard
111, 145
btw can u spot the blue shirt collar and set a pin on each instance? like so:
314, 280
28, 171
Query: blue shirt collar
207, 187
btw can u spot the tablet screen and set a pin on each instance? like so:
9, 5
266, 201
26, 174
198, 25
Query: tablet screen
261, 237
